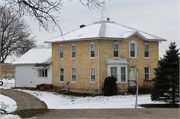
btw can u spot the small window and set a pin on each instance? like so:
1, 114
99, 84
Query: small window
61, 52
92, 50
123, 74
146, 51
147, 73
116, 50
61, 74
92, 74
73, 74
42, 72
73, 51
114, 72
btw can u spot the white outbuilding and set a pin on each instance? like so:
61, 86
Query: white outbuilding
33, 68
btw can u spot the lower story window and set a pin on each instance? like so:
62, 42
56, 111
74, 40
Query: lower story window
147, 73
123, 74
42, 72
73, 74
92, 76
61, 74
114, 72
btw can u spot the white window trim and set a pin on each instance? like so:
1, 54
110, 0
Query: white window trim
90, 75
60, 75
90, 51
118, 49
146, 73
133, 42
71, 75
59, 52
148, 51
71, 51
118, 72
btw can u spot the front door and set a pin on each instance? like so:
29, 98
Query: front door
132, 76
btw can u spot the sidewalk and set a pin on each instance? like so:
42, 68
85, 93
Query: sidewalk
24, 100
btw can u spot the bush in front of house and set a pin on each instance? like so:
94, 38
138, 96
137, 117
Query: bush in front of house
110, 87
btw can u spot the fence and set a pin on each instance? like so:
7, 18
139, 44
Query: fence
7, 74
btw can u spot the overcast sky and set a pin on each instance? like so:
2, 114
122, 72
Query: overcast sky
157, 17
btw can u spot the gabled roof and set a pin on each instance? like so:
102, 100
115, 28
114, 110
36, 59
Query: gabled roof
104, 30
35, 56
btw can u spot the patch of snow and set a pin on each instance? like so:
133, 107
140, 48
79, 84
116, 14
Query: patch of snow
7, 103
59, 101
10, 116
7, 84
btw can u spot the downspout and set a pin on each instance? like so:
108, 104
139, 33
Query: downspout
98, 66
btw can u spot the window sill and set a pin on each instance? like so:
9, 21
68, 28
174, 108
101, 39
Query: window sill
72, 58
92, 58
61, 81
60, 58
133, 58
146, 57
92, 82
73, 82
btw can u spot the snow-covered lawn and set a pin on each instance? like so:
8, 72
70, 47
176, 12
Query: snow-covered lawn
9, 105
7, 84
59, 101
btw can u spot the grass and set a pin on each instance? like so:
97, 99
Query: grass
30, 112
159, 106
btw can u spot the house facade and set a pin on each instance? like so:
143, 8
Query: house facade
86, 56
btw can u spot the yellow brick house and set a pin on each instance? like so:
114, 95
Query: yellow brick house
86, 56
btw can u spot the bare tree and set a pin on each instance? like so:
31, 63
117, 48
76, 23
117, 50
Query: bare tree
15, 35
43, 10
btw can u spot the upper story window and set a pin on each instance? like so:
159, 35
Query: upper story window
92, 75
73, 75
92, 50
133, 49
42, 73
61, 52
147, 73
116, 50
146, 50
73, 51
61, 74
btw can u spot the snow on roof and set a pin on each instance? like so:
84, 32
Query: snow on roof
35, 56
104, 30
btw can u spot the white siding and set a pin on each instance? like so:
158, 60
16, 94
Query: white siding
25, 76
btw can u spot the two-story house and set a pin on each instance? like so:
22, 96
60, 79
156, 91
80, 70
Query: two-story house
86, 56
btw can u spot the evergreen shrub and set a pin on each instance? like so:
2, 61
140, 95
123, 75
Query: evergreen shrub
110, 87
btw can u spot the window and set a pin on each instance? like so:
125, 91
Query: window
61, 52
92, 50
147, 72
146, 50
116, 50
73, 74
61, 74
114, 72
92, 74
42, 72
73, 51
132, 49
123, 74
